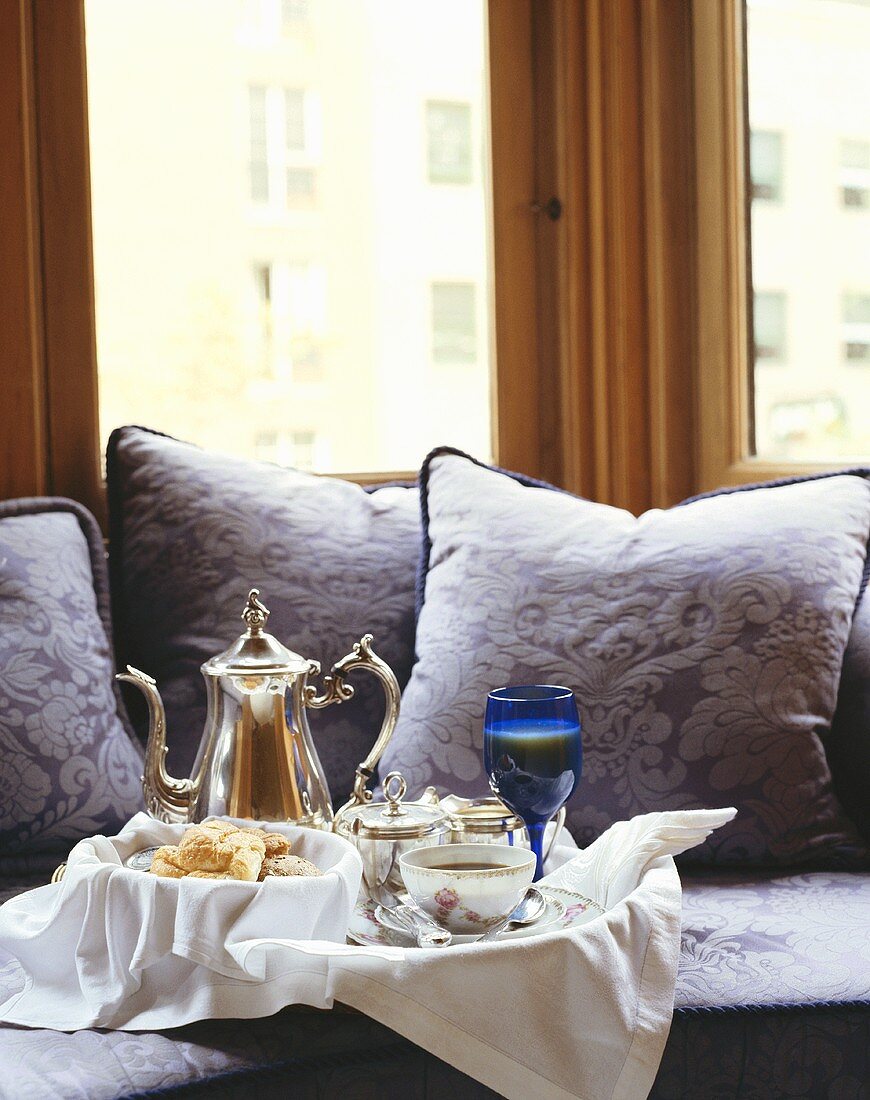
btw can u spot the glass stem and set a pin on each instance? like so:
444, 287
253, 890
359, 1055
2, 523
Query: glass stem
536, 840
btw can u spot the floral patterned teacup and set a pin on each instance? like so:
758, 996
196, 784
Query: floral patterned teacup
468, 888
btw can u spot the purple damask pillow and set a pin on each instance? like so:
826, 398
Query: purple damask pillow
704, 643
192, 531
848, 745
70, 765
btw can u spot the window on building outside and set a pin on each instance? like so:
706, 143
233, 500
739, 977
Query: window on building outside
769, 318
297, 449
284, 143
263, 291
266, 446
855, 173
259, 166
449, 142
294, 13
807, 79
454, 324
304, 446
856, 329
765, 158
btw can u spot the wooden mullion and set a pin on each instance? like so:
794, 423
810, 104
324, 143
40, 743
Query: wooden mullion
23, 426
517, 401
67, 252
668, 146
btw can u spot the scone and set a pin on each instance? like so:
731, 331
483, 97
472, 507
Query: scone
276, 843
220, 846
288, 866
166, 863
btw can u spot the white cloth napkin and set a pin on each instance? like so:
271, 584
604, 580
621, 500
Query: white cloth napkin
577, 1013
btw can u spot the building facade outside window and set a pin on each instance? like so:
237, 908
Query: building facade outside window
449, 142
454, 323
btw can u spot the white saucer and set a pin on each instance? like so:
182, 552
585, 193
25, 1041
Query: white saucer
565, 909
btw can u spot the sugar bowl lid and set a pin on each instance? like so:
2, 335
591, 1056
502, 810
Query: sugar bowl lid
395, 819
255, 652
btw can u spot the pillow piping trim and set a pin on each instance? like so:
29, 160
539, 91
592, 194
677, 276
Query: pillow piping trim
423, 483
795, 479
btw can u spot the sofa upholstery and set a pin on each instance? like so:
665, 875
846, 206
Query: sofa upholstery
772, 1000
773, 990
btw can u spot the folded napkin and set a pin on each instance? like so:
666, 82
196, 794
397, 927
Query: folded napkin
582, 1012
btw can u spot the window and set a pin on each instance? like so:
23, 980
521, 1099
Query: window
266, 446
765, 157
294, 14
856, 328
454, 324
294, 119
297, 449
769, 318
284, 145
267, 20
304, 446
263, 294
449, 145
259, 145
285, 281
855, 173
807, 85
291, 323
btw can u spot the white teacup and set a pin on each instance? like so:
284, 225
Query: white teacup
472, 899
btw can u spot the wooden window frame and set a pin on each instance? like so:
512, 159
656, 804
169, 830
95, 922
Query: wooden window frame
49, 424
619, 256
724, 282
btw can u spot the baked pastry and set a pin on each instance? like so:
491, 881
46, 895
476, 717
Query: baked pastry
221, 846
220, 850
287, 867
166, 862
276, 845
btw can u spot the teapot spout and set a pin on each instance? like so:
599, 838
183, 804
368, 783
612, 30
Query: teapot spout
166, 799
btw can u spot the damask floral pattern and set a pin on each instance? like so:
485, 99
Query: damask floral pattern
705, 645
191, 532
68, 765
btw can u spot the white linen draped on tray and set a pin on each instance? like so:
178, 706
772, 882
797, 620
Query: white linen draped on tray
582, 1012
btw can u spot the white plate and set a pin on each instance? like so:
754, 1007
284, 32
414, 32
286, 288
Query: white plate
565, 909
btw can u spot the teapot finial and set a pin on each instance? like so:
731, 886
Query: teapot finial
256, 613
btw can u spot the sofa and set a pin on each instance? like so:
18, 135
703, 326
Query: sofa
773, 990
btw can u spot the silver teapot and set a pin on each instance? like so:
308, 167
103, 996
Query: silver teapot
256, 758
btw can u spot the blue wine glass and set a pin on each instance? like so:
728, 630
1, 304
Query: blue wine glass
533, 753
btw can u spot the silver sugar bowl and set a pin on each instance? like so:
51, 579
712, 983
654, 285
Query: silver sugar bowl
383, 831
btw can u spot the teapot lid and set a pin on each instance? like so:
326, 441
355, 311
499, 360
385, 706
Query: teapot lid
255, 652
394, 819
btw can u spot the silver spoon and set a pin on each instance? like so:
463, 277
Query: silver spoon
527, 912
407, 919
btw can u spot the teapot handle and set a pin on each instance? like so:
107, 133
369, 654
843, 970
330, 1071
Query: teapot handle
337, 690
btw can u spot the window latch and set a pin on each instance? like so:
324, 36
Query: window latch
553, 208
